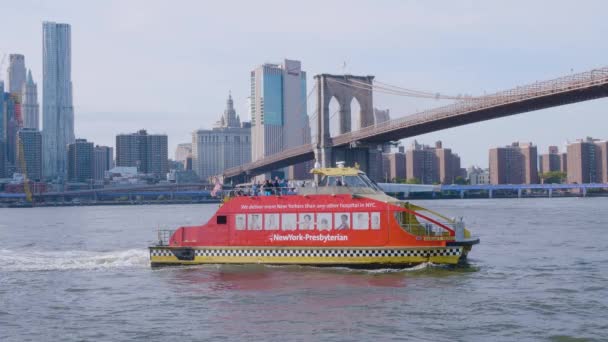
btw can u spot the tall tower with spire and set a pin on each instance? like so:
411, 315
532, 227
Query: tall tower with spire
29, 106
226, 145
229, 118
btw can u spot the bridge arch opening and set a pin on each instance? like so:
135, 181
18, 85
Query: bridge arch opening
355, 114
334, 117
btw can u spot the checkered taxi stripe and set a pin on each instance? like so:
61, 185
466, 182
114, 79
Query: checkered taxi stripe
331, 253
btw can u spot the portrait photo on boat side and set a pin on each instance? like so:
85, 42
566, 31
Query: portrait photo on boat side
360, 221
375, 218
240, 221
254, 222
271, 221
288, 222
306, 222
342, 221
324, 221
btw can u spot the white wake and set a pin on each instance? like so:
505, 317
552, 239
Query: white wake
28, 260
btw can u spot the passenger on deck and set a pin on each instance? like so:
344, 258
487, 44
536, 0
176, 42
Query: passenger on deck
338, 182
267, 188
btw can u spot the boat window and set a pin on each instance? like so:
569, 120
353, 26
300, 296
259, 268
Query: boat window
357, 181
371, 183
221, 219
354, 181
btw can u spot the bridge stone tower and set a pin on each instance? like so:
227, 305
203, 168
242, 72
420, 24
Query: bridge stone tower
344, 88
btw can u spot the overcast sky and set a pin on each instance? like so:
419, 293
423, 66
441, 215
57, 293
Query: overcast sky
167, 66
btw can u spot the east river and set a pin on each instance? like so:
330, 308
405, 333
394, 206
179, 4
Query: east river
82, 274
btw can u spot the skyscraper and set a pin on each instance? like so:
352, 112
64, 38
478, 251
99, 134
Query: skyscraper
12, 124
104, 160
147, 152
514, 164
29, 155
57, 109
29, 103
226, 145
80, 161
279, 119
15, 73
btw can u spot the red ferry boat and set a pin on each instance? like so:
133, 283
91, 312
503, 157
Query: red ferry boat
345, 219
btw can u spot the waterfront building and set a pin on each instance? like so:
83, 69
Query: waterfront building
103, 161
3, 114
15, 73
182, 176
147, 152
431, 165
2, 159
588, 161
175, 165
29, 103
514, 164
226, 145
80, 161
552, 161
125, 175
381, 115
602, 161
563, 162
57, 108
477, 175
183, 154
17, 186
279, 118
29, 153
393, 166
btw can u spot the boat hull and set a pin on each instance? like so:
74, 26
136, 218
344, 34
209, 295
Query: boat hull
359, 257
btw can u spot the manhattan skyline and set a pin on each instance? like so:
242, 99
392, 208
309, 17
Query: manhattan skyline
131, 73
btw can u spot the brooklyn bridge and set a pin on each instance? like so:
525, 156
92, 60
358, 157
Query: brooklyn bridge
362, 144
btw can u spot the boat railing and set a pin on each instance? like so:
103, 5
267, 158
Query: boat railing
164, 235
259, 191
306, 189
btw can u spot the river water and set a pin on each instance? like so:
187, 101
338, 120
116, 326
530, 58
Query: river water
81, 273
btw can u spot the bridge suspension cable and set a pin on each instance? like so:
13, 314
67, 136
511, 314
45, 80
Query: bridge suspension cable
399, 91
